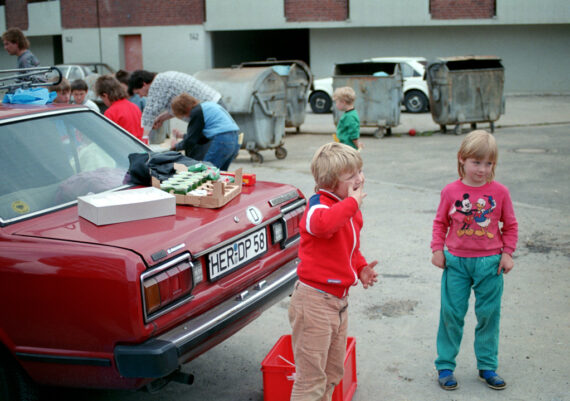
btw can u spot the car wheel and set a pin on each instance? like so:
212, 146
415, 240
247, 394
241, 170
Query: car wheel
415, 102
320, 102
15, 384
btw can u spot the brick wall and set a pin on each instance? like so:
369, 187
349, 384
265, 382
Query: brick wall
316, 10
83, 13
462, 9
16, 14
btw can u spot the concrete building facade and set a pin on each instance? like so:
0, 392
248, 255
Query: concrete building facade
530, 36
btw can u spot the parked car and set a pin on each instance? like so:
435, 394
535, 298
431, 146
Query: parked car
416, 94
121, 306
320, 97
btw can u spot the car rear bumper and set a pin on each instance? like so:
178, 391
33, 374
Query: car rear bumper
162, 355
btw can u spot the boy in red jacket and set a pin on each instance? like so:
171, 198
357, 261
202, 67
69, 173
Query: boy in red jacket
330, 264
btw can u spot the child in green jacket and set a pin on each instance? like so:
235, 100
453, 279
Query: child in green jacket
348, 128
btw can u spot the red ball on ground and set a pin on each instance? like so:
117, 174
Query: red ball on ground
412, 132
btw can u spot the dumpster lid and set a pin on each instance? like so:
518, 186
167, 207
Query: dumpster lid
463, 58
274, 62
468, 62
238, 85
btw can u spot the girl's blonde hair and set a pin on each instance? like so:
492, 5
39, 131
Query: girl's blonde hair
346, 94
478, 145
332, 160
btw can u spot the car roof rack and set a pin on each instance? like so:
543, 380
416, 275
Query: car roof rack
24, 78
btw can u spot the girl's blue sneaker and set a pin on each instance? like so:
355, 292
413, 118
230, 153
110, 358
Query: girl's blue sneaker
447, 380
492, 379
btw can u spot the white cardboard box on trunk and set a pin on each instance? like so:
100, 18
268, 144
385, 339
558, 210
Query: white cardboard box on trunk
126, 205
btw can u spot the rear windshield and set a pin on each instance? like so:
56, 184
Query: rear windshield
47, 162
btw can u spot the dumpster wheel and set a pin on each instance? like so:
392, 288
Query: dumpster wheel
382, 132
255, 157
280, 153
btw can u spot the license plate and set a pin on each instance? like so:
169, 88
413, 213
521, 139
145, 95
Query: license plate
237, 254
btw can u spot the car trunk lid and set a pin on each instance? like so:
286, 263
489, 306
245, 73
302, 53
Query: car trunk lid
192, 229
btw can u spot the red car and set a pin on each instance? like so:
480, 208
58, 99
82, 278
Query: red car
121, 306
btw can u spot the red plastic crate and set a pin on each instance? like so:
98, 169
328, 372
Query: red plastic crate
278, 369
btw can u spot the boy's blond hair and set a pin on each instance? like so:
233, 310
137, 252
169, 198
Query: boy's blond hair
346, 94
183, 104
331, 161
478, 145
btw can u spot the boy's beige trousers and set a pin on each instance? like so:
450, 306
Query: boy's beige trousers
319, 322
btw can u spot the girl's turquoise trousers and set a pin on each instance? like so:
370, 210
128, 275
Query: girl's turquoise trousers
459, 277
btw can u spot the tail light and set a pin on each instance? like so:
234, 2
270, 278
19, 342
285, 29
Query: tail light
286, 230
169, 285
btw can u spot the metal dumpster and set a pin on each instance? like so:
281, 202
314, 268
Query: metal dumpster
158, 136
298, 79
255, 97
466, 90
378, 88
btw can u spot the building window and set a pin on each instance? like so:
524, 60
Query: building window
462, 9
316, 10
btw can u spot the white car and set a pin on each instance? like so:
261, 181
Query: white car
320, 97
416, 95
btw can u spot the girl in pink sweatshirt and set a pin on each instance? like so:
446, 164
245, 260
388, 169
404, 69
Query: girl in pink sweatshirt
479, 250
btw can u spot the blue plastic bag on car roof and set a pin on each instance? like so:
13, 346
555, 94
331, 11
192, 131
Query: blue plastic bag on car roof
30, 96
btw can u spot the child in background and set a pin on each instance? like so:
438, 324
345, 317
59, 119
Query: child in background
120, 110
348, 127
212, 134
331, 263
63, 90
468, 222
123, 77
79, 91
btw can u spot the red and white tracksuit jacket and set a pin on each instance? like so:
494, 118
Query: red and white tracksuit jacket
330, 244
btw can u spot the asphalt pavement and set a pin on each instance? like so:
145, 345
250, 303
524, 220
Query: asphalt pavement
395, 322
